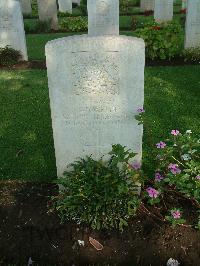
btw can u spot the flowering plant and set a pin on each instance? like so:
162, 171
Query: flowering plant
175, 217
178, 164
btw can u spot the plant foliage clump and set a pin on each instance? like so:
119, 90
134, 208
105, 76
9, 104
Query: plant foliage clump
9, 56
163, 41
103, 193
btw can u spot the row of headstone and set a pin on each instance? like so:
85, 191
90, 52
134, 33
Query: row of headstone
96, 85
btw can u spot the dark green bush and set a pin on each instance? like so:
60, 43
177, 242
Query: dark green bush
102, 194
163, 41
9, 56
74, 24
83, 7
38, 27
192, 54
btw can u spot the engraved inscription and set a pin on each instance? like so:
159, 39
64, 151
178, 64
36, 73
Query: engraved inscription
5, 19
95, 73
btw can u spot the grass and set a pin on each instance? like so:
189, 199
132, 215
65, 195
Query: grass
26, 142
36, 42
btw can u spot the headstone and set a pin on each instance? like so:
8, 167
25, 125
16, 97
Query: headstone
47, 10
163, 11
192, 34
147, 5
65, 6
26, 6
103, 17
12, 27
96, 85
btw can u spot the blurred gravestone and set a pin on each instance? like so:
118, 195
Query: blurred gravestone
163, 11
12, 27
103, 17
65, 6
147, 5
26, 6
192, 29
47, 10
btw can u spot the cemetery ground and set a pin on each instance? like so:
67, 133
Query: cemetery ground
28, 169
28, 228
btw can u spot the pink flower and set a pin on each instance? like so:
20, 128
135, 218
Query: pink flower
141, 110
136, 165
153, 193
174, 168
198, 177
161, 145
176, 214
175, 132
158, 177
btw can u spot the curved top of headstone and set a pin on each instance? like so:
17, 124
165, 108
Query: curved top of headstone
74, 41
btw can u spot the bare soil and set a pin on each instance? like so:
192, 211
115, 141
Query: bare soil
27, 231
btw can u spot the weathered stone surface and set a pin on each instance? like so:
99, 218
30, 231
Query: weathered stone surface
12, 26
26, 6
47, 10
163, 11
192, 34
103, 17
65, 6
96, 85
147, 5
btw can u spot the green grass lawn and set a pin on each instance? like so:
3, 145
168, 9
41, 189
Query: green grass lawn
26, 142
36, 42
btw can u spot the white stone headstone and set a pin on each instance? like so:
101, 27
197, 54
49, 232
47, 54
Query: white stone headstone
65, 6
147, 5
12, 26
192, 28
163, 11
47, 10
103, 17
96, 85
26, 6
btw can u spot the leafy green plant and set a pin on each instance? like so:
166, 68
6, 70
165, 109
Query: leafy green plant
178, 163
163, 41
103, 194
9, 56
38, 27
74, 24
83, 6
192, 54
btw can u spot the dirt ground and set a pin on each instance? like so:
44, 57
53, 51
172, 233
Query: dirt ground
27, 231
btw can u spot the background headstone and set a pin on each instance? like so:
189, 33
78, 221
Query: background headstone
26, 6
47, 10
147, 5
12, 26
65, 6
96, 85
103, 17
163, 10
192, 28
